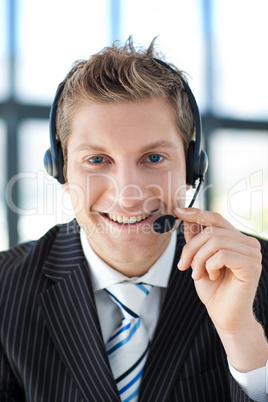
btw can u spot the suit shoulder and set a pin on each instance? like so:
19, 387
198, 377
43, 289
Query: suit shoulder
261, 299
263, 248
264, 251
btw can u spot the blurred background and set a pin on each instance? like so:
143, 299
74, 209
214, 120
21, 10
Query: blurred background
221, 44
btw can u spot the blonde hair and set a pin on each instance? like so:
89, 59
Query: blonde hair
121, 74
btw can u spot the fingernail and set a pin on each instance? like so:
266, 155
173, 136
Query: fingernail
180, 264
193, 275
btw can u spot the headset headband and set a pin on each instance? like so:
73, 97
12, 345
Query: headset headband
196, 161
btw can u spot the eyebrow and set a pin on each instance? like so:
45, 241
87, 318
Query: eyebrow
154, 145
159, 144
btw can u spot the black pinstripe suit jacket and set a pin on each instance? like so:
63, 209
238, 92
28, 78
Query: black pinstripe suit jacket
51, 348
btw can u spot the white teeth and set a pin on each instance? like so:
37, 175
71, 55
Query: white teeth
125, 219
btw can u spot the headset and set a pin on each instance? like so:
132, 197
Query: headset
53, 158
196, 161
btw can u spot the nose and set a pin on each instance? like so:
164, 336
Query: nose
130, 196
127, 190
130, 187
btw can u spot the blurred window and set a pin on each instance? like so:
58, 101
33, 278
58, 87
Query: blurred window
221, 45
3, 51
241, 58
42, 202
66, 30
3, 212
239, 173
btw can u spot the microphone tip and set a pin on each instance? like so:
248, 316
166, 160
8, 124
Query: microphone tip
164, 224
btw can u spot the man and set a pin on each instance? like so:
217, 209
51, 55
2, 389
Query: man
124, 123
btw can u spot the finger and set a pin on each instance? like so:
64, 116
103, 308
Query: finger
208, 242
244, 268
191, 230
203, 218
216, 245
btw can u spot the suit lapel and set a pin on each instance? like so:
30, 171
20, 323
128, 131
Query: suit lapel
69, 310
179, 321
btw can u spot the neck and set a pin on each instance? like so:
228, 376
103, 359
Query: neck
130, 267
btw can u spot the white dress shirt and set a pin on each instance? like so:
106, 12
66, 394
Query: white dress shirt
102, 275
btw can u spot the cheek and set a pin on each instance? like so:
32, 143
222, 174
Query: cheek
78, 198
88, 191
179, 186
173, 189
179, 196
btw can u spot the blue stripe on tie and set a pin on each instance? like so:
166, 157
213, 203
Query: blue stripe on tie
134, 366
119, 332
122, 305
143, 288
132, 395
118, 345
126, 387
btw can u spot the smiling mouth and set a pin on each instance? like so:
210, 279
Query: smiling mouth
127, 220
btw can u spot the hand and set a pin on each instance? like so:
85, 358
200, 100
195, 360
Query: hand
226, 267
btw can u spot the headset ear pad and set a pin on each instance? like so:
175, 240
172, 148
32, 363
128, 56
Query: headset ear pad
203, 163
195, 168
54, 165
48, 162
60, 176
190, 164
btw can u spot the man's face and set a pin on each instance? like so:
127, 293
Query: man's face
126, 167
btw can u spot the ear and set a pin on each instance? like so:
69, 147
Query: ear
66, 187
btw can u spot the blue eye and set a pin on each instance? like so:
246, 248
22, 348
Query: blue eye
154, 158
96, 159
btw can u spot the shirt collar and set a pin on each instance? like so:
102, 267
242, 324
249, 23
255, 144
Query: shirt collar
102, 275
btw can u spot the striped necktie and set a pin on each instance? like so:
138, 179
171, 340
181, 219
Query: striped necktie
128, 346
